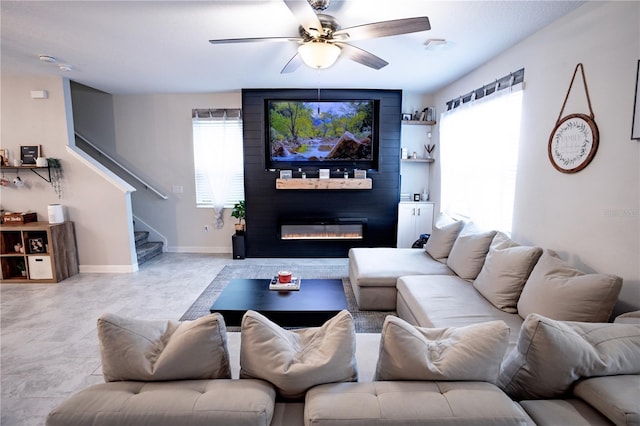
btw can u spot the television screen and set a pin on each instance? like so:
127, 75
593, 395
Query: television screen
321, 133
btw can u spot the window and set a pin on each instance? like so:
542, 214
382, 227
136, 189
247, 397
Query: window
218, 157
479, 156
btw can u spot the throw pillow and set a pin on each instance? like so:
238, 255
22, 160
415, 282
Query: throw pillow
469, 251
472, 352
296, 360
505, 271
551, 355
147, 350
444, 234
556, 290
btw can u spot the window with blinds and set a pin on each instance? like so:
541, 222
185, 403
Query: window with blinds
218, 157
479, 159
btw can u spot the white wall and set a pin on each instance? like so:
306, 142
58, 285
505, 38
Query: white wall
592, 218
154, 133
98, 208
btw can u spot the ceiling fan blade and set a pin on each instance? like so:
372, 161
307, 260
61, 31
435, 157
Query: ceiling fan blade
305, 15
362, 56
293, 64
384, 29
253, 40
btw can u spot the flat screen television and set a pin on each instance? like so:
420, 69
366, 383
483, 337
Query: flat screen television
321, 134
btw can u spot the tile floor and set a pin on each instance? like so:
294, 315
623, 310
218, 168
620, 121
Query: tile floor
48, 339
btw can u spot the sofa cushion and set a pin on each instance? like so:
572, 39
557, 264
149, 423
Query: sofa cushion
150, 350
382, 266
444, 234
469, 251
551, 355
472, 353
448, 301
617, 397
183, 402
559, 291
505, 270
295, 360
405, 403
628, 318
563, 412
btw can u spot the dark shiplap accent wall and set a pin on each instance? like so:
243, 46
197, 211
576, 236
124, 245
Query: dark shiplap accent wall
267, 207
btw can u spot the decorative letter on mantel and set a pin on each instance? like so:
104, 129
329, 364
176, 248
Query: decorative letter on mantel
333, 183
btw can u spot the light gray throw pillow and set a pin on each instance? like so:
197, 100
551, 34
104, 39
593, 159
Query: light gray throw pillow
444, 234
551, 355
296, 360
559, 291
148, 350
471, 353
469, 251
505, 271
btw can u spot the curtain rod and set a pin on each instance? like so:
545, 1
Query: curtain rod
215, 113
508, 80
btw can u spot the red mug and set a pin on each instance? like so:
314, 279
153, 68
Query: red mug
284, 276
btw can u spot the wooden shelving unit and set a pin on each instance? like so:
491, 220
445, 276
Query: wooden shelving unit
316, 183
45, 252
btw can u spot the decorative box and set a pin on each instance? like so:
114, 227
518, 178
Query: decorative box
19, 218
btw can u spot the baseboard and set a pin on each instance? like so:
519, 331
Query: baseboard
108, 269
188, 249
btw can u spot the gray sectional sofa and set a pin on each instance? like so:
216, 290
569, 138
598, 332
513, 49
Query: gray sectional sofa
487, 332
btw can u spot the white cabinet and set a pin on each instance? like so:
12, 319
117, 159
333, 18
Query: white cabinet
414, 218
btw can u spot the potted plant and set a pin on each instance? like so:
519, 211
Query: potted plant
239, 213
21, 267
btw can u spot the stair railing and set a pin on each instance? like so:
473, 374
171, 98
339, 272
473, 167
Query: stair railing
122, 167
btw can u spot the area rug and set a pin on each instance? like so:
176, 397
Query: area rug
365, 321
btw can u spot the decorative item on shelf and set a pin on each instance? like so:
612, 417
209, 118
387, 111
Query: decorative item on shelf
55, 171
359, 174
324, 173
286, 174
20, 266
574, 140
429, 148
416, 197
415, 155
29, 153
17, 162
406, 117
18, 248
55, 213
425, 195
404, 154
9, 218
42, 162
4, 157
239, 212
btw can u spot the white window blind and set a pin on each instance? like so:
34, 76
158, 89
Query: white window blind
218, 158
479, 155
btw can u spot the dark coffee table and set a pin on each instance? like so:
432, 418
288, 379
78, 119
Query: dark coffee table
316, 302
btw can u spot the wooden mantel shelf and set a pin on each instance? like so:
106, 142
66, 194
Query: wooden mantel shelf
315, 183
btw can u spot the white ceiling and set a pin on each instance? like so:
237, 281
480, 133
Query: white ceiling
162, 46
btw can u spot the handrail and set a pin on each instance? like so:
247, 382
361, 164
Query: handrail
129, 172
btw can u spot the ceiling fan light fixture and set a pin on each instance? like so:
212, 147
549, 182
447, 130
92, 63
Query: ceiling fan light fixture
319, 54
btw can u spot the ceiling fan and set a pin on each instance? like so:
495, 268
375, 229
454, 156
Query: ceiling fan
321, 40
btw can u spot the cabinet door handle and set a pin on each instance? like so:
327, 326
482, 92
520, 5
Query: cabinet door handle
413, 211
418, 211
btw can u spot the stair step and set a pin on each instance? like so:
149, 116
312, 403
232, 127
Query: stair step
148, 250
140, 237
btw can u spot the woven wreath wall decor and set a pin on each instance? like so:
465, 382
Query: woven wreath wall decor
574, 140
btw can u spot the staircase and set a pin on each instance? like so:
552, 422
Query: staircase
144, 248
